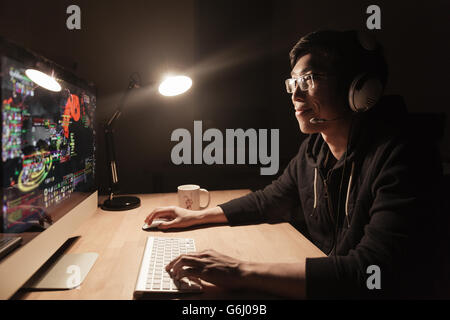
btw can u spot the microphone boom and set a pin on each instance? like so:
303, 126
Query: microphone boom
319, 120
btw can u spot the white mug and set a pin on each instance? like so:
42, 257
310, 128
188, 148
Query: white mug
189, 197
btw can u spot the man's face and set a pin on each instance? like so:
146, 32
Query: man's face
321, 101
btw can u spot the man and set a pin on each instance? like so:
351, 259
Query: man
360, 187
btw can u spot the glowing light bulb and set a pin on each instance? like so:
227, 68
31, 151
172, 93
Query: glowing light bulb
43, 80
175, 85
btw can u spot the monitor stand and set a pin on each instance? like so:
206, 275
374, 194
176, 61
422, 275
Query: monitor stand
62, 271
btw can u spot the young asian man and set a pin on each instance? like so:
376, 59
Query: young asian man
364, 185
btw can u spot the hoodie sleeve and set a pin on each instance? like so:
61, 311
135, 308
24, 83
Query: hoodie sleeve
273, 203
399, 192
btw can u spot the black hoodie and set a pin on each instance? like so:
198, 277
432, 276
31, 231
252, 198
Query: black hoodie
377, 205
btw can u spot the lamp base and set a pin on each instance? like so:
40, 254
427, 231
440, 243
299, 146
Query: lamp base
121, 203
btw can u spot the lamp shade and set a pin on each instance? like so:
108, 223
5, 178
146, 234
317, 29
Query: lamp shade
43, 80
175, 85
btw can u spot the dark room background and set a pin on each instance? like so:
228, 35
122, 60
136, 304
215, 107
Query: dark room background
237, 55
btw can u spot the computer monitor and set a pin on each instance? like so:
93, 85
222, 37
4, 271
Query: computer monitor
47, 167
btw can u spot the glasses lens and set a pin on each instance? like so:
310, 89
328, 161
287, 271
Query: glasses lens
302, 84
290, 85
306, 82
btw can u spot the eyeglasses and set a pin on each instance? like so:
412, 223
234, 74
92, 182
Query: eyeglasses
305, 82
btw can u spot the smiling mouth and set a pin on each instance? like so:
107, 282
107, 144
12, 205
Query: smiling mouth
302, 112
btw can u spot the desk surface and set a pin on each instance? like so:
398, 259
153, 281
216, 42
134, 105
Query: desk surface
119, 240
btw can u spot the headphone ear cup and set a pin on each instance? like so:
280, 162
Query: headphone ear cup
364, 92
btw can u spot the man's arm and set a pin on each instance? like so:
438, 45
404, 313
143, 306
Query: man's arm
282, 279
274, 203
182, 218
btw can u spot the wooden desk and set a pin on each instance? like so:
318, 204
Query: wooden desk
119, 240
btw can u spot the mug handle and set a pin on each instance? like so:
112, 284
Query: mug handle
209, 198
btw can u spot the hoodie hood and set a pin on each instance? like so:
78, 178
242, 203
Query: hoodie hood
383, 119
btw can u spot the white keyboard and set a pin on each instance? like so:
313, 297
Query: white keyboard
158, 253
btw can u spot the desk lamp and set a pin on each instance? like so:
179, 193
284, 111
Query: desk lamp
43, 80
171, 86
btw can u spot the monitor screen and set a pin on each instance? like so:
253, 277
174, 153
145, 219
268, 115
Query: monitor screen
47, 148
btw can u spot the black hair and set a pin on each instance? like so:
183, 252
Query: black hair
342, 54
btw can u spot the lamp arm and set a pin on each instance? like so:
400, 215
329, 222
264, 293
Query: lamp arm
111, 162
131, 85
109, 141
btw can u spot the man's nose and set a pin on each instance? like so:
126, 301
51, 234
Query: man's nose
298, 95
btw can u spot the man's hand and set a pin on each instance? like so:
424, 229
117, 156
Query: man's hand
282, 279
209, 266
182, 218
177, 217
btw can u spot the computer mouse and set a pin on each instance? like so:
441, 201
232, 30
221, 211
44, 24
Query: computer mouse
154, 225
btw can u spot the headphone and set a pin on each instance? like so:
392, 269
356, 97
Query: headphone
367, 87
364, 54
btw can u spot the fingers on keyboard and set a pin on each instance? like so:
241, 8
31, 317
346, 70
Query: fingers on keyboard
188, 284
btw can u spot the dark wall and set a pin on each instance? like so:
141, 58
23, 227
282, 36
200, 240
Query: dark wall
249, 43
237, 55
